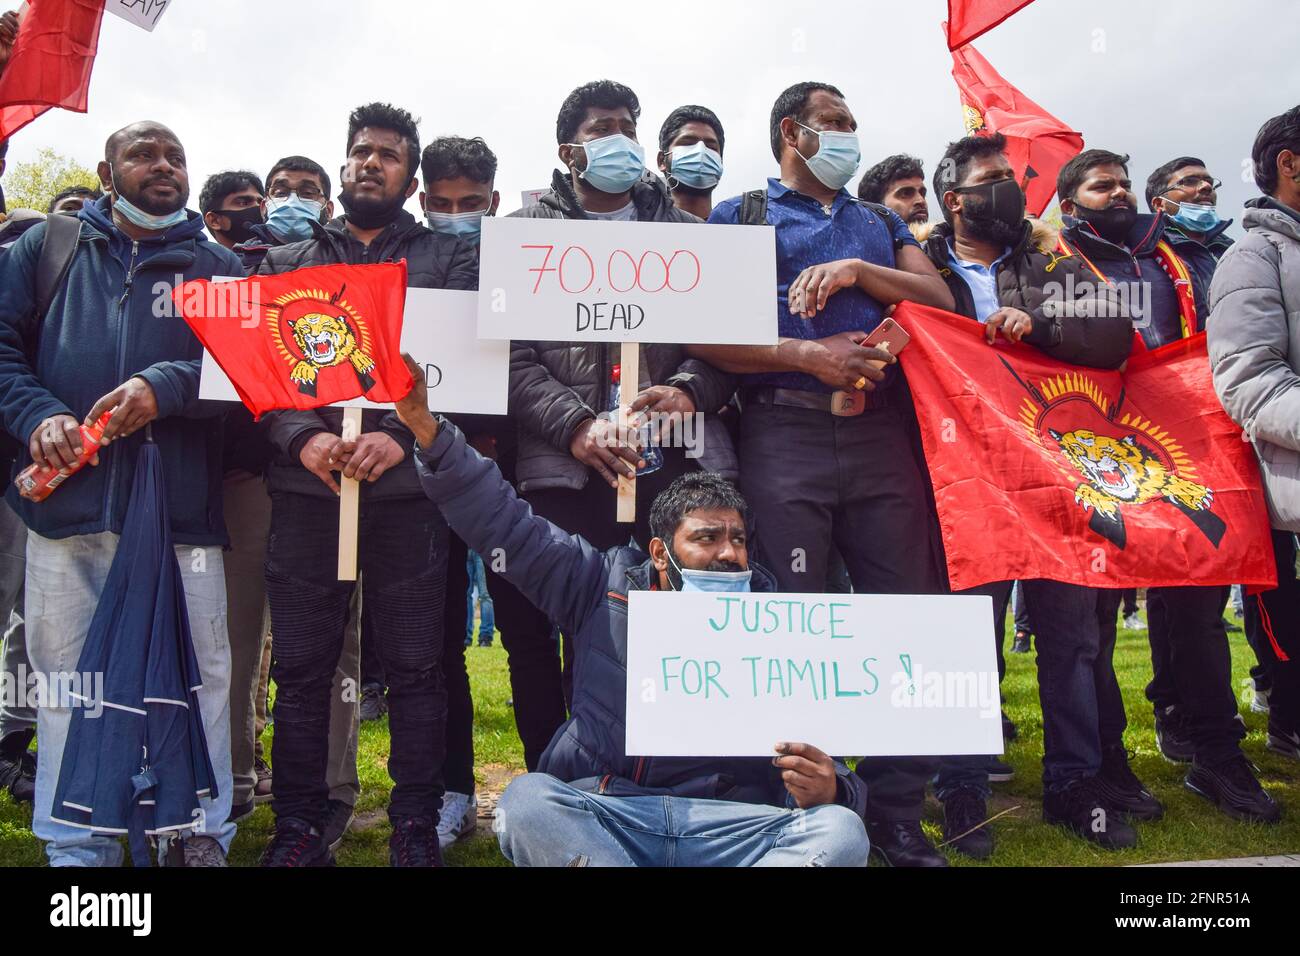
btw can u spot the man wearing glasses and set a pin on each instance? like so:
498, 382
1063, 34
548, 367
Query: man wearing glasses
297, 194
1133, 253
1187, 194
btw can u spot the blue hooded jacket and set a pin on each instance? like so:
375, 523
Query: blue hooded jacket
111, 320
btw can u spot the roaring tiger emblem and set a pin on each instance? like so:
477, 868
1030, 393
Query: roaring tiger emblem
1124, 471
326, 341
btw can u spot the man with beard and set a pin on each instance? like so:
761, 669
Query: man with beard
898, 182
1167, 300
592, 804
998, 275
67, 368
403, 538
231, 203
690, 157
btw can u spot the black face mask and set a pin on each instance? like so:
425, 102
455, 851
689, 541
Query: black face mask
994, 212
370, 213
241, 222
1113, 223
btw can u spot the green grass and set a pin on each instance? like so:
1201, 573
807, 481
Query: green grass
1191, 829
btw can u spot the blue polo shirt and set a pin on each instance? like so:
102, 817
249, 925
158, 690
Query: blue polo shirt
807, 235
982, 280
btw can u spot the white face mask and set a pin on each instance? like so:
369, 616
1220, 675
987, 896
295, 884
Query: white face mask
713, 581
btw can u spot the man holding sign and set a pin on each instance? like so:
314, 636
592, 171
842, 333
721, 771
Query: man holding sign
592, 804
403, 539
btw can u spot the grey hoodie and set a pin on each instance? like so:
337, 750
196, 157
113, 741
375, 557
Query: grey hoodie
1254, 343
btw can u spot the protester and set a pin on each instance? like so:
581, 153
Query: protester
691, 142
68, 202
477, 596
13, 222
297, 195
821, 398
136, 240
231, 203
1254, 340
1023, 640
403, 540
581, 808
1119, 245
1187, 194
898, 182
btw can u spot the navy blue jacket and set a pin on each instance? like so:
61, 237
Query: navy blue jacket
1201, 255
584, 591
111, 320
1155, 313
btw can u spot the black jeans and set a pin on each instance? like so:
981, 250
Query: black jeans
1192, 666
403, 562
1083, 711
812, 481
1278, 613
458, 771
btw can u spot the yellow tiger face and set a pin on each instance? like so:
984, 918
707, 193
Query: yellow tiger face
325, 340
1119, 469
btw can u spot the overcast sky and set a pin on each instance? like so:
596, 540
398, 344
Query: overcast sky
244, 83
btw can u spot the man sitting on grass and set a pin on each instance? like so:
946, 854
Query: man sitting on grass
591, 804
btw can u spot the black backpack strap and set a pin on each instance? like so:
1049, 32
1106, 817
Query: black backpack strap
753, 208
884, 212
58, 249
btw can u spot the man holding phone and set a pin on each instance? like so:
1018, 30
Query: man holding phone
823, 397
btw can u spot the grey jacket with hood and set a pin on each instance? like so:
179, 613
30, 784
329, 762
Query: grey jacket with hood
1254, 343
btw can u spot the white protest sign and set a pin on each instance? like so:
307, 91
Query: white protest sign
852, 674
531, 197
143, 13
465, 374
561, 280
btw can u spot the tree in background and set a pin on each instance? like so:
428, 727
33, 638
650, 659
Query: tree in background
32, 185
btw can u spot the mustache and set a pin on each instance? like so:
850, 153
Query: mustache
163, 181
724, 566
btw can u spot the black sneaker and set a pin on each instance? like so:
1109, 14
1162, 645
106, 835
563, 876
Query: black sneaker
1120, 788
1173, 736
373, 702
18, 776
261, 789
336, 824
1081, 810
414, 843
1232, 787
1000, 771
964, 816
903, 843
1283, 741
1021, 644
296, 843
241, 811
1009, 729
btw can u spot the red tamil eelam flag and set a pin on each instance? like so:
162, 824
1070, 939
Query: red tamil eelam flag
1099, 478
51, 61
968, 19
307, 338
1038, 144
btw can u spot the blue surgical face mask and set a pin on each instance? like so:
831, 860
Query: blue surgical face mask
1196, 217
138, 217
713, 581
614, 163
467, 226
290, 219
696, 166
836, 159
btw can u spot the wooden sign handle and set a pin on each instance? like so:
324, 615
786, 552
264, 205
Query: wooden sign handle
629, 384
349, 504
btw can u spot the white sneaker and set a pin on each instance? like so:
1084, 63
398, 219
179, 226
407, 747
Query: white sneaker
1259, 700
458, 818
1134, 623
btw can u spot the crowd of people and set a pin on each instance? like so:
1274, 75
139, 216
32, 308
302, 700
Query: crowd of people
811, 474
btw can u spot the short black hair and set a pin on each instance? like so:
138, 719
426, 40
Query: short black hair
793, 101
877, 180
690, 114
451, 157
113, 145
956, 162
301, 164
85, 192
1073, 173
221, 185
389, 117
1158, 181
602, 94
691, 492
4, 148
1279, 133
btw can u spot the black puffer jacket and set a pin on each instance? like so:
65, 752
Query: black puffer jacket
556, 386
1071, 322
433, 261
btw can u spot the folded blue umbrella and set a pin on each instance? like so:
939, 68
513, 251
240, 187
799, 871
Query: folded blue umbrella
136, 762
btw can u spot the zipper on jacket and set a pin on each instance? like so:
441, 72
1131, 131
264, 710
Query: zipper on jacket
121, 370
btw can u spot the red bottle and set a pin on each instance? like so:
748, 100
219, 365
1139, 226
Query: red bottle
36, 485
